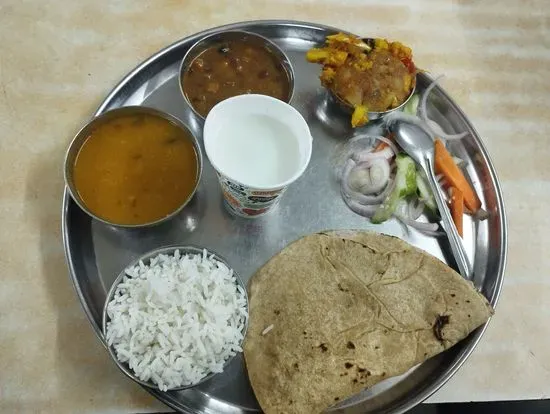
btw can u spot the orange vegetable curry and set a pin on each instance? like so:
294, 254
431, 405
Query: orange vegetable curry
230, 69
136, 169
372, 75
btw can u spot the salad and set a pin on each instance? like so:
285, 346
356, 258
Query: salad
380, 181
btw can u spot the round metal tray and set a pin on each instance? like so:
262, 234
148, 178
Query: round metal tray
96, 253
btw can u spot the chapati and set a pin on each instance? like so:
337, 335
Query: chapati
335, 313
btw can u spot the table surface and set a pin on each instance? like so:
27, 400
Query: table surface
58, 60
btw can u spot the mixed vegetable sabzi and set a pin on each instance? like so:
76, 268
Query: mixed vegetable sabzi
372, 75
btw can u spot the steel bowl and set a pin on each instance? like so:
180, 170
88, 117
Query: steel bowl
146, 258
82, 136
235, 35
346, 107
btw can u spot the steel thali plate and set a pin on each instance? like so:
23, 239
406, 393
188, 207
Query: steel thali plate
96, 253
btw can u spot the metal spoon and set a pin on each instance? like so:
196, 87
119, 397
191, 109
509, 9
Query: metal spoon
420, 147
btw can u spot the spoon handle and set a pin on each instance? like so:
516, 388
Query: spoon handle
455, 241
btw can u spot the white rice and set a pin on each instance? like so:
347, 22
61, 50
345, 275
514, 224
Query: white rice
177, 319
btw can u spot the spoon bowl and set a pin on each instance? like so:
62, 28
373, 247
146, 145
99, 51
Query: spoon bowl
415, 141
420, 147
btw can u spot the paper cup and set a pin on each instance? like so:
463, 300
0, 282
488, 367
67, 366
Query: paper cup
258, 146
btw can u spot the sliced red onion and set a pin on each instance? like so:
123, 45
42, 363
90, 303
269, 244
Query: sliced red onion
411, 119
366, 155
432, 125
438, 131
377, 174
365, 199
423, 106
361, 209
390, 144
348, 166
416, 208
376, 138
426, 228
355, 146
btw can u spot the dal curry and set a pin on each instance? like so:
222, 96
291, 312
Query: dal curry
136, 169
232, 68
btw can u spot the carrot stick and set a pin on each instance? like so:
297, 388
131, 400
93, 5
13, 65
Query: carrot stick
457, 208
444, 164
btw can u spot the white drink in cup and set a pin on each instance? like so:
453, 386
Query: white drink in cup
258, 145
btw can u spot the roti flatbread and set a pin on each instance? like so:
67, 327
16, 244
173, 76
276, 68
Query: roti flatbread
335, 313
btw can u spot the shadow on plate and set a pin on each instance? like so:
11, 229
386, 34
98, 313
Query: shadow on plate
335, 121
330, 116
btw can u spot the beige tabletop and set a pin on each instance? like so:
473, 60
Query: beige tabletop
58, 60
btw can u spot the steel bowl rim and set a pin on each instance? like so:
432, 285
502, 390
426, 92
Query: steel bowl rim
192, 52
146, 257
375, 114
113, 113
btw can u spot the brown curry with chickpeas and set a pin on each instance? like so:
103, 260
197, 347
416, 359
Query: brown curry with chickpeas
233, 68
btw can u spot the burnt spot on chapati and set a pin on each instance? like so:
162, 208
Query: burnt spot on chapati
438, 326
350, 345
323, 347
277, 312
362, 374
336, 398
296, 366
348, 365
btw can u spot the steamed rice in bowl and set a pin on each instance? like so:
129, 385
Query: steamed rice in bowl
175, 318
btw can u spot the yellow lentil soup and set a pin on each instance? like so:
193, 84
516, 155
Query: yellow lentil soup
136, 169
